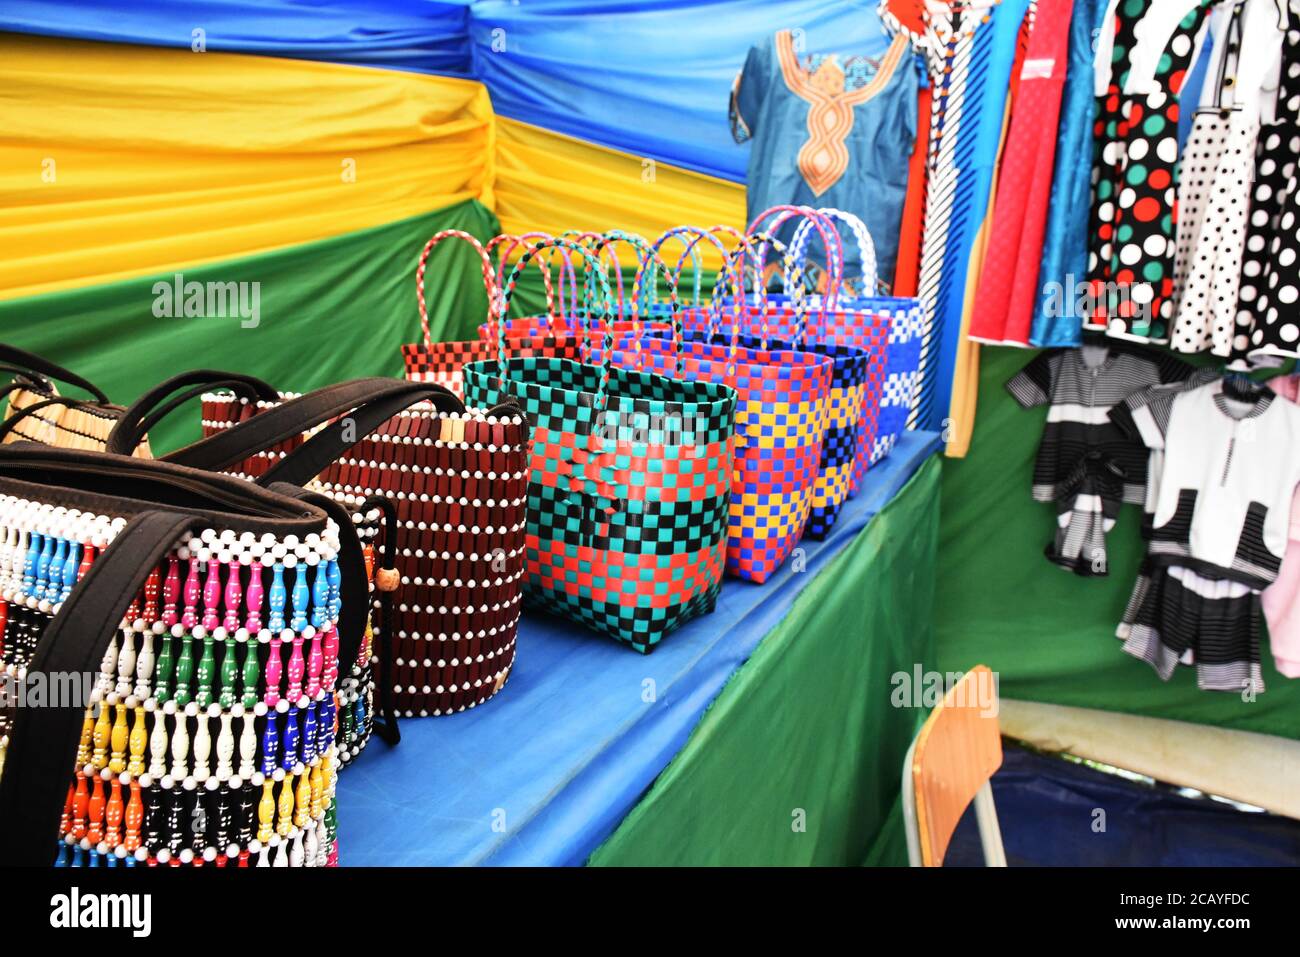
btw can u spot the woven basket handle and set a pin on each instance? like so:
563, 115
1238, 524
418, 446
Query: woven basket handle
762, 240
866, 249
691, 237
606, 304
513, 242
773, 219
489, 276
647, 257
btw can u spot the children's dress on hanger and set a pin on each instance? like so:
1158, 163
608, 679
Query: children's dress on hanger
1221, 526
1086, 465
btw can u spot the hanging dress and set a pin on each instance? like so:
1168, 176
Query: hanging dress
1064, 261
829, 131
970, 81
1130, 264
1215, 184
1268, 316
1008, 284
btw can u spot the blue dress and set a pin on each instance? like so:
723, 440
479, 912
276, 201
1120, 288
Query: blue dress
827, 131
1065, 242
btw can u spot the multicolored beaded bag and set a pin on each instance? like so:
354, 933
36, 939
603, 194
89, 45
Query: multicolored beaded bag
629, 486
38, 413
782, 399
441, 362
171, 642
458, 480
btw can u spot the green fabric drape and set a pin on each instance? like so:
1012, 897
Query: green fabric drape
329, 310
805, 732
1050, 634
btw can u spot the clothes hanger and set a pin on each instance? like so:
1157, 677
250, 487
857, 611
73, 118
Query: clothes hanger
1239, 386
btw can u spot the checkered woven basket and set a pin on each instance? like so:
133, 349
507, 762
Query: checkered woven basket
857, 373
441, 362
459, 484
629, 487
832, 323
782, 402
903, 355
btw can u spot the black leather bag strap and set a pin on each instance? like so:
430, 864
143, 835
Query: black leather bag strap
43, 742
20, 359
289, 420
130, 428
312, 457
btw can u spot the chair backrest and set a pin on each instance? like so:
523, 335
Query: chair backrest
949, 765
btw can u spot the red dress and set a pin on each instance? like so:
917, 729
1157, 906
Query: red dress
1008, 288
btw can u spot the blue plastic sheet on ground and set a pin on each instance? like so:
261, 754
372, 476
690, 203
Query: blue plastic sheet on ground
1048, 812
545, 771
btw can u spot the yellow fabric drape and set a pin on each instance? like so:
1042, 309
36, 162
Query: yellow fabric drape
551, 182
123, 160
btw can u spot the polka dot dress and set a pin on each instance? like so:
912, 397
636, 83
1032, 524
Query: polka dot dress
1268, 313
1213, 195
1131, 259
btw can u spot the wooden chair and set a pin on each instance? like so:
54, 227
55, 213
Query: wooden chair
948, 766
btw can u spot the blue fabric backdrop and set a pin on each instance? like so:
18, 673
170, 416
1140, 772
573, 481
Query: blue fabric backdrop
424, 36
649, 78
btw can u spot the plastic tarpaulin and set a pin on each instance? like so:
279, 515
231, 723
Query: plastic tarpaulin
1048, 812
552, 182
327, 311
120, 160
426, 36
650, 79
799, 760
544, 772
1050, 634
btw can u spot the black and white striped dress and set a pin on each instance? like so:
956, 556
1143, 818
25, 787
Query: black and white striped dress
1086, 465
1220, 525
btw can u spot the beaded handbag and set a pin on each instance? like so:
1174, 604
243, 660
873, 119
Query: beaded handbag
782, 397
629, 486
375, 522
38, 413
457, 479
441, 362
172, 640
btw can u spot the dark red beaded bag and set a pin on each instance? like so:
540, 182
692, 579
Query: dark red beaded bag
458, 479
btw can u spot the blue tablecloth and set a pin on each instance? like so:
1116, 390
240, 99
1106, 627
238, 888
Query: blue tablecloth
545, 771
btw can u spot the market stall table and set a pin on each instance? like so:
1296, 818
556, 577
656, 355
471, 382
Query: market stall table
547, 771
